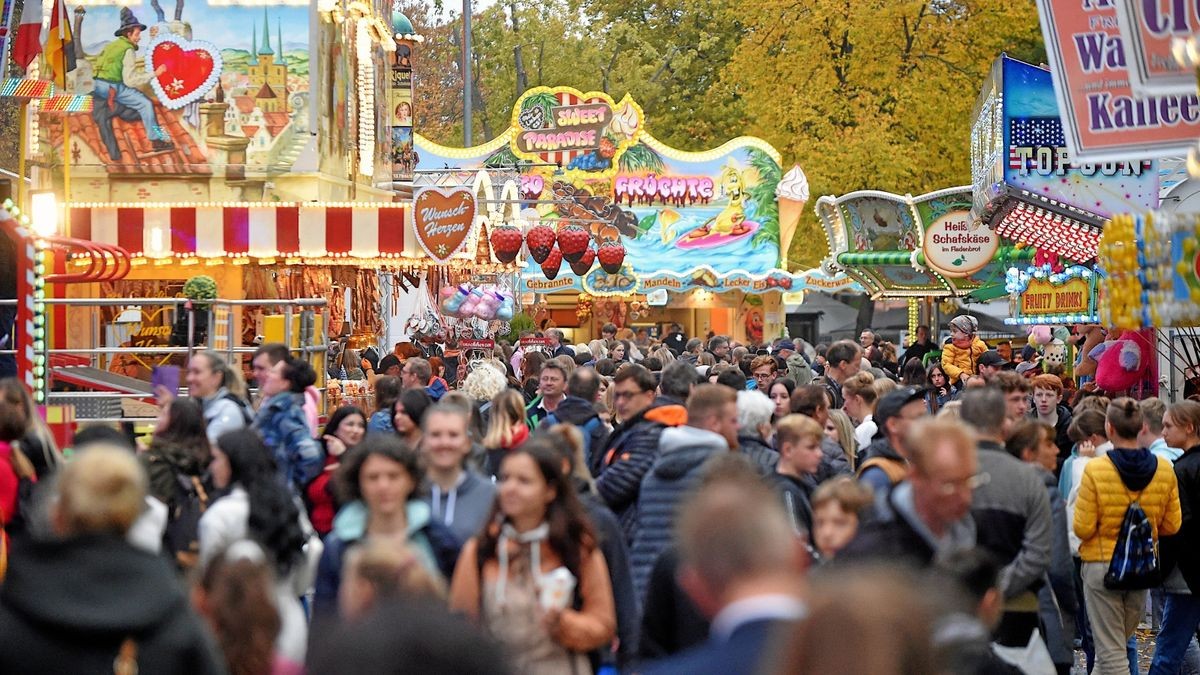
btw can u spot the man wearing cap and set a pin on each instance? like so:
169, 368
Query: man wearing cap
117, 80
886, 458
1012, 515
990, 364
798, 367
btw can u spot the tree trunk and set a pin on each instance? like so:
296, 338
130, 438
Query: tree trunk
518, 60
477, 99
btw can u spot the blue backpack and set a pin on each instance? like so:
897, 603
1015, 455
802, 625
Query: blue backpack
588, 429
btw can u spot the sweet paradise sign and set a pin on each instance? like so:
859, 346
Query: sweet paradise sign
584, 132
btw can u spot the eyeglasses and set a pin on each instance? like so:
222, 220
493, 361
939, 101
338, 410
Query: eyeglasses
763, 376
970, 484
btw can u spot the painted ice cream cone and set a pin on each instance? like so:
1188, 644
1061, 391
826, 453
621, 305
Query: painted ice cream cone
792, 193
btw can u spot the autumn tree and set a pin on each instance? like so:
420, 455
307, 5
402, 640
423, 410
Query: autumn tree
872, 94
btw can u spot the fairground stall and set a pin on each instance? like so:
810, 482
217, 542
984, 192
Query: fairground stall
1027, 189
252, 167
621, 228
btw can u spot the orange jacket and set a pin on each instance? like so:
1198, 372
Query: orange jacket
956, 361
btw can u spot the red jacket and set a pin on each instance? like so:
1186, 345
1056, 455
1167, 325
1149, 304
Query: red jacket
8, 484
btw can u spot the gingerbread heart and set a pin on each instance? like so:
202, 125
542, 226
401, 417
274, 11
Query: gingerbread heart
190, 69
442, 219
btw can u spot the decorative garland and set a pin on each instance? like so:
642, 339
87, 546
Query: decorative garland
172, 101
366, 97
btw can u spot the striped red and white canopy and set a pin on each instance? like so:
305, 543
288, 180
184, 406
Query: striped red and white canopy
212, 231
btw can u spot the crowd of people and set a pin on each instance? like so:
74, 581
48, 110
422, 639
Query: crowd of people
680, 505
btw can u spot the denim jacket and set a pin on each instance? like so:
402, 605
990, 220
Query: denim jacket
284, 428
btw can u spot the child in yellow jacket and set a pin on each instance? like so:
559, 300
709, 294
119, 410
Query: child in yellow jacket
960, 358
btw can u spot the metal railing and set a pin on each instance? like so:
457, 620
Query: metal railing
309, 341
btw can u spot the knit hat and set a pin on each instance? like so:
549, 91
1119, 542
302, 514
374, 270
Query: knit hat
965, 323
128, 22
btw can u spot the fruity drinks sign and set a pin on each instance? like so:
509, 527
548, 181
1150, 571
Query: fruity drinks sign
1103, 118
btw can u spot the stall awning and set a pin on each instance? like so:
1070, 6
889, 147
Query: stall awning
1042, 228
219, 230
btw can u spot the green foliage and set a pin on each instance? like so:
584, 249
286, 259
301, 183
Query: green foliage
762, 195
520, 322
640, 157
200, 287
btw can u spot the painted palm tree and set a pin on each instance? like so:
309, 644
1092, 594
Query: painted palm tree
762, 195
641, 158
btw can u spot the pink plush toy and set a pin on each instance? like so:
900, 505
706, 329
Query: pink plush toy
1124, 362
1040, 336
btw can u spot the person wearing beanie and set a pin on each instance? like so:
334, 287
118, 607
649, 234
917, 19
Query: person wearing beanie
960, 358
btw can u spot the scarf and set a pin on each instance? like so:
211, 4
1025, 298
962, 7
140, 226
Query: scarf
534, 539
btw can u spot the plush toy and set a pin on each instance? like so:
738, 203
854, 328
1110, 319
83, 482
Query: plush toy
1055, 353
1087, 337
1124, 362
1040, 336
1062, 333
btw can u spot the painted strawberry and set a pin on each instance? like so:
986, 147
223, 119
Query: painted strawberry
611, 255
573, 240
584, 264
552, 263
506, 243
786, 283
540, 239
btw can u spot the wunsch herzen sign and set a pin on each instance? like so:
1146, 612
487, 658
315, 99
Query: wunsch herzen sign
442, 219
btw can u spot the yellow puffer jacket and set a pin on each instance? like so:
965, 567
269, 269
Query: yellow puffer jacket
956, 361
1103, 498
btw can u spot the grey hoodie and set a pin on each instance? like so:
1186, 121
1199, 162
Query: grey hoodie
682, 453
465, 507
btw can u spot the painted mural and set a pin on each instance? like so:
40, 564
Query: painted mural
210, 84
685, 219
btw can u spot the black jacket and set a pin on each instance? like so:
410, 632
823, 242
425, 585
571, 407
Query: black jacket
619, 469
670, 620
762, 455
1183, 547
68, 607
797, 499
611, 542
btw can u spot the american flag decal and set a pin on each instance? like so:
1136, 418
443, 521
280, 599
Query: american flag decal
1027, 132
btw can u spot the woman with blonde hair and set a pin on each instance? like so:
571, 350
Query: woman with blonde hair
859, 394
598, 349
840, 430
506, 430
88, 580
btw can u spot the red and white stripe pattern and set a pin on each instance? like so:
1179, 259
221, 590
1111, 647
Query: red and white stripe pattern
1035, 226
564, 157
212, 231
26, 261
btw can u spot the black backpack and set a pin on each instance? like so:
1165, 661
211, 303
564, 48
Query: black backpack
181, 539
1134, 565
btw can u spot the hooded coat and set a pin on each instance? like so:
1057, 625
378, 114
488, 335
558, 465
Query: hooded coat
682, 454
1109, 485
957, 362
68, 606
1183, 548
632, 449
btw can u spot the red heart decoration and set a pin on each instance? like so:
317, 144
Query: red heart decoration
442, 220
191, 69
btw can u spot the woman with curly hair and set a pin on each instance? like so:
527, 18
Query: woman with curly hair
260, 508
537, 527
